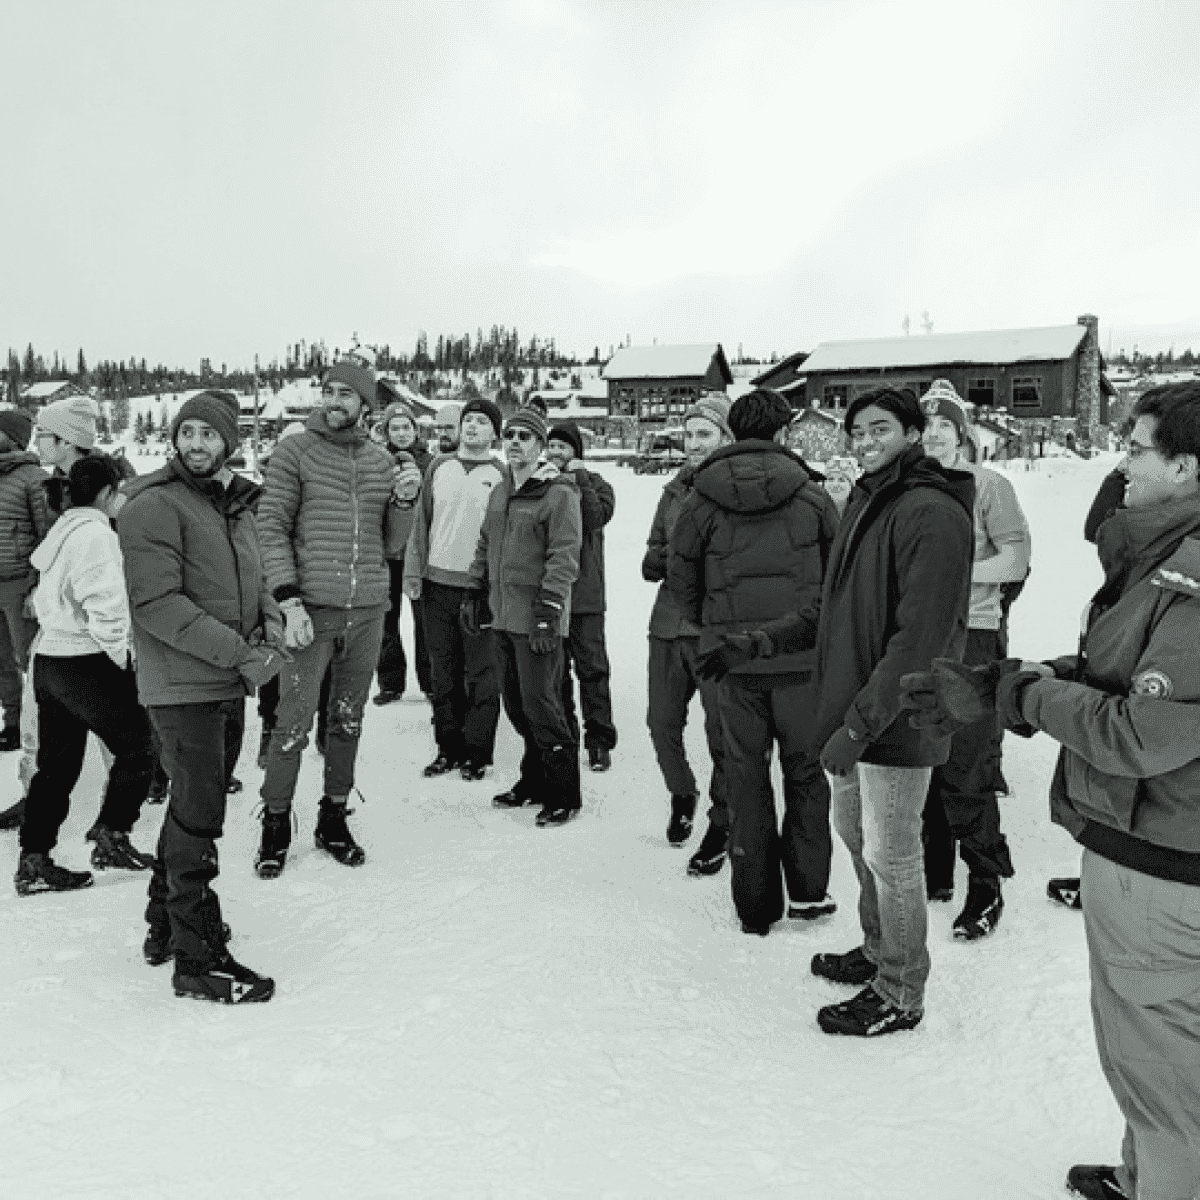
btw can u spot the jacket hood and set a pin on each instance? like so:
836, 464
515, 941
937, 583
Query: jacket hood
1133, 541
12, 459
751, 477
541, 481
352, 435
239, 494
52, 545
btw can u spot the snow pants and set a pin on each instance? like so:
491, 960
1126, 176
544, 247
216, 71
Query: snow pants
193, 738
346, 643
466, 677
393, 664
1143, 937
532, 691
235, 730
75, 695
672, 684
585, 651
877, 813
961, 805
17, 632
758, 711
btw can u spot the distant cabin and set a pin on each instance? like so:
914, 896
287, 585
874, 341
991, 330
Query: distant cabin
657, 384
41, 394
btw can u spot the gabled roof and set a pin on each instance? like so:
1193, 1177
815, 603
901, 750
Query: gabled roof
43, 391
667, 362
782, 373
936, 349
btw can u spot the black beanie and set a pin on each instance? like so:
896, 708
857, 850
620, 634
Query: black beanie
759, 414
568, 431
218, 409
489, 410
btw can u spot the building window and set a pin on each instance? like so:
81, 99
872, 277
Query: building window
836, 395
981, 393
1027, 391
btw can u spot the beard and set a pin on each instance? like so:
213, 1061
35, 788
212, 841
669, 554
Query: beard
210, 466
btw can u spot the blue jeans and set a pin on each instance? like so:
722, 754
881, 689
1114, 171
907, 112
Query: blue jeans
877, 813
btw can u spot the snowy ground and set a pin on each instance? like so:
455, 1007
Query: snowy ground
490, 1010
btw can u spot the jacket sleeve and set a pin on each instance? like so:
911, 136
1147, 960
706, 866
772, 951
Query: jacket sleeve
39, 513
98, 587
277, 513
1137, 736
564, 539
152, 543
685, 561
478, 570
934, 548
597, 500
416, 553
654, 562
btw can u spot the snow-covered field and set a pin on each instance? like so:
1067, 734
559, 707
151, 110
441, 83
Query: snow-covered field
486, 1009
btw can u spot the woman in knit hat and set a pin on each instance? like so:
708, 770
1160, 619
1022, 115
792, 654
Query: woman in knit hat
65, 432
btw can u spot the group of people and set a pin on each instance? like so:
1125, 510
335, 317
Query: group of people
857, 622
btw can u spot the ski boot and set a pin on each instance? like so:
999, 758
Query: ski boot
853, 967
228, 982
333, 836
710, 857
679, 828
981, 913
810, 910
114, 849
866, 1015
276, 838
38, 873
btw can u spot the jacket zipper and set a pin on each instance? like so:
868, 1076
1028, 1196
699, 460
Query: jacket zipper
354, 514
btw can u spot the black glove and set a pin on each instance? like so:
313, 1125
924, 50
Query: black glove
950, 696
734, 650
475, 614
546, 615
842, 751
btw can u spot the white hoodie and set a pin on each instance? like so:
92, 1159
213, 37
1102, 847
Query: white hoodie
81, 601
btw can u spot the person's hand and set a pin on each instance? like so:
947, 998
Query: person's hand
273, 633
950, 696
28, 608
298, 626
735, 650
543, 636
261, 664
842, 751
406, 482
412, 589
474, 613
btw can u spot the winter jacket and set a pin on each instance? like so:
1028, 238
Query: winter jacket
597, 503
401, 513
80, 599
195, 579
999, 521
666, 621
750, 545
445, 533
1127, 783
24, 517
529, 543
895, 598
322, 514
1108, 499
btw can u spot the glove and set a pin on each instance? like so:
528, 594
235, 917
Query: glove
543, 637
475, 614
261, 664
842, 751
298, 626
406, 482
735, 650
412, 589
950, 696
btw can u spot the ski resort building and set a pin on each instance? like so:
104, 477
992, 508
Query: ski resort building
655, 385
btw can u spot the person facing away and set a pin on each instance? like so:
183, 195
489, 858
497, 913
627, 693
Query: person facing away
437, 576
207, 632
750, 547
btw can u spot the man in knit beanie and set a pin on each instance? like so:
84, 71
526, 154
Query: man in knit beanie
65, 432
943, 401
445, 427
356, 375
531, 419
204, 419
584, 646
480, 404
713, 408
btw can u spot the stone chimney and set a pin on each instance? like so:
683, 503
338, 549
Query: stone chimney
1087, 384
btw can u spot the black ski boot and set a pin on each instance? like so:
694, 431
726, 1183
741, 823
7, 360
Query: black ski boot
810, 910
599, 758
1064, 891
333, 836
517, 796
226, 983
981, 913
442, 765
853, 967
11, 818
276, 838
115, 850
563, 798
38, 873
264, 747
472, 771
1094, 1182
679, 828
866, 1015
710, 857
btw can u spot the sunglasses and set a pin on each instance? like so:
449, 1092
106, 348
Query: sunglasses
518, 435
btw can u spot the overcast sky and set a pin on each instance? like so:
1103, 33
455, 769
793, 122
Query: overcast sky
220, 179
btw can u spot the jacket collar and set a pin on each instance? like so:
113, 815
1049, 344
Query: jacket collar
1134, 541
352, 435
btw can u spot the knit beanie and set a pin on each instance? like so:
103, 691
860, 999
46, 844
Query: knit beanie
759, 414
480, 405
943, 401
531, 419
72, 419
711, 408
398, 408
356, 375
567, 431
449, 414
218, 409
16, 426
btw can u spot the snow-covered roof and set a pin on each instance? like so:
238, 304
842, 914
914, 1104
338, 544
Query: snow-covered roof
990, 346
665, 362
43, 391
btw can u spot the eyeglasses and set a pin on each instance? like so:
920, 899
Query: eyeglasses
518, 435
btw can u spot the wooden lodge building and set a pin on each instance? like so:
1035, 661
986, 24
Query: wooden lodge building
656, 384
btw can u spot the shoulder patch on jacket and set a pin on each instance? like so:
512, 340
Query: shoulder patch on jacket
1154, 683
1176, 581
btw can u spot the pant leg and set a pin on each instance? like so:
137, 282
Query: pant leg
299, 695
235, 732
754, 838
421, 649
159, 780
481, 690
393, 666
62, 740
444, 636
806, 844
532, 780
892, 800
121, 724
1143, 937
847, 803
355, 655
539, 678
193, 742
709, 689
27, 767
937, 838
10, 672
590, 657
568, 690
671, 686
268, 702
323, 707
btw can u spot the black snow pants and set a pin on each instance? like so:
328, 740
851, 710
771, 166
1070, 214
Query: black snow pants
393, 663
586, 652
